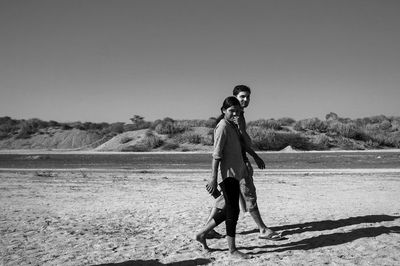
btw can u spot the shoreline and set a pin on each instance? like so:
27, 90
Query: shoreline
31, 152
265, 171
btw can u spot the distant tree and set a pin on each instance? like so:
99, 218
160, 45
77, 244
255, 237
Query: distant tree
138, 122
331, 116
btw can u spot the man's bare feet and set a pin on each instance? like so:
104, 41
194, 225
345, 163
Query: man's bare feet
239, 255
202, 239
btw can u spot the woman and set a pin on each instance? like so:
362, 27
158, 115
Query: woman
228, 157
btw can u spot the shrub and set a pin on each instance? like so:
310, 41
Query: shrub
386, 139
385, 125
129, 127
347, 130
116, 128
151, 140
208, 140
313, 124
188, 137
53, 123
394, 139
136, 148
396, 124
5, 120
377, 119
321, 142
3, 135
286, 121
211, 122
169, 128
6, 128
348, 144
266, 139
26, 129
267, 124
66, 127
372, 127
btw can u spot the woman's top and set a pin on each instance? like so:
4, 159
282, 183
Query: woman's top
228, 150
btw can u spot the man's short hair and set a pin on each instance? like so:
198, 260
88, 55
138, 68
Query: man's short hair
240, 88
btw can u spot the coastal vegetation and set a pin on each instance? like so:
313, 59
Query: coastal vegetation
333, 132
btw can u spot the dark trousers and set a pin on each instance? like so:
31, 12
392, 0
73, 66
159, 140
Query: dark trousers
230, 214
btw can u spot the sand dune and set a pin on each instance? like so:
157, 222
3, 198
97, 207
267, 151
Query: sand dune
132, 218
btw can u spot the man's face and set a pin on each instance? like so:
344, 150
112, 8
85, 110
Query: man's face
244, 98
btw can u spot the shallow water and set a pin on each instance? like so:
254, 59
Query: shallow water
129, 161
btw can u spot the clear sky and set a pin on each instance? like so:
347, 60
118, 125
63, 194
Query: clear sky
98, 60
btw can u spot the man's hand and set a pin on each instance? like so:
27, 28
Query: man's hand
260, 163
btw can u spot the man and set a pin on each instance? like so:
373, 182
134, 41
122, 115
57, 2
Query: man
247, 188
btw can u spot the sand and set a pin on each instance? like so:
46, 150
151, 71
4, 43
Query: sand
329, 217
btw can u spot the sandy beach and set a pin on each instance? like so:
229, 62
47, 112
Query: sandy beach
334, 217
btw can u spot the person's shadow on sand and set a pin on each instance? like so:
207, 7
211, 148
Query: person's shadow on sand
305, 244
200, 261
327, 224
327, 240
330, 239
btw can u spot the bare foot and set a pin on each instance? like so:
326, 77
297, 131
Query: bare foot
202, 239
239, 255
269, 234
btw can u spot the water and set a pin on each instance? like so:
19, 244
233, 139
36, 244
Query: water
185, 161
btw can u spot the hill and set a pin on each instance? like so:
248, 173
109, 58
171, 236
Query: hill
73, 139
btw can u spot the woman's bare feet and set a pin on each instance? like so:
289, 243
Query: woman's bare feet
239, 255
202, 239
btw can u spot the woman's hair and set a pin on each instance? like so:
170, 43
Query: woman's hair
240, 88
228, 102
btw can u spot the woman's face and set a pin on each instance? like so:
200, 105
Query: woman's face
232, 112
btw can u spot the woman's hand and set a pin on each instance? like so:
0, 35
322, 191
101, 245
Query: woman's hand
212, 185
250, 170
